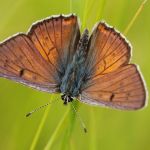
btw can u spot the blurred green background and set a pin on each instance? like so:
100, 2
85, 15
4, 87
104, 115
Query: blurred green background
107, 128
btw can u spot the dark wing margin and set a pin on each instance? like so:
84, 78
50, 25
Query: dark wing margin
121, 89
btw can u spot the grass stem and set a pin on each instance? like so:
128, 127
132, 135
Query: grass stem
71, 4
93, 130
84, 15
68, 131
56, 132
37, 135
100, 12
135, 17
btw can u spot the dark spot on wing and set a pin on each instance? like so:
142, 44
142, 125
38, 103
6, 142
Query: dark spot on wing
112, 97
128, 95
6, 63
21, 73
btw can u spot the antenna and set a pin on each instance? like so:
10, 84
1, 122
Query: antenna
80, 119
37, 109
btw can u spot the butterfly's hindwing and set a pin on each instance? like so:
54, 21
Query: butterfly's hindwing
121, 89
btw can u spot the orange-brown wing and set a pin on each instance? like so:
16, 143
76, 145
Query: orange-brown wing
108, 51
20, 61
56, 39
121, 89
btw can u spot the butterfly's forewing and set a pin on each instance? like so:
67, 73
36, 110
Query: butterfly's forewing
108, 50
56, 39
38, 59
20, 61
113, 82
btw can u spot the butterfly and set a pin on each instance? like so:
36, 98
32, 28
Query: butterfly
55, 57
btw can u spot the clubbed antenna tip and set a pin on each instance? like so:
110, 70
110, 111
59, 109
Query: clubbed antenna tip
28, 114
85, 130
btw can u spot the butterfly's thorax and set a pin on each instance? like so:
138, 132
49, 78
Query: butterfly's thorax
75, 73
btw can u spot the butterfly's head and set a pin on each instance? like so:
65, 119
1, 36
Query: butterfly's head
66, 98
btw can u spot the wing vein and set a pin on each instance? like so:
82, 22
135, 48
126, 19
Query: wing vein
24, 55
15, 56
49, 34
95, 82
55, 39
41, 46
110, 66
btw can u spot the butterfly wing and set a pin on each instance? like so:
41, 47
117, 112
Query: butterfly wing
121, 89
108, 51
39, 58
20, 61
56, 39
112, 81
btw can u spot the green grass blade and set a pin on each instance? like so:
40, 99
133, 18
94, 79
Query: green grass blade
56, 132
69, 129
37, 135
65, 143
135, 17
84, 15
94, 12
73, 116
92, 130
71, 6
122, 15
101, 9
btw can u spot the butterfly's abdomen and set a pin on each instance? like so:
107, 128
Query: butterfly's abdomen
74, 74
